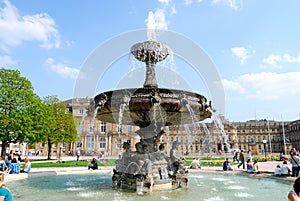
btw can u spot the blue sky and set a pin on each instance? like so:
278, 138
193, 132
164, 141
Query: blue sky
253, 44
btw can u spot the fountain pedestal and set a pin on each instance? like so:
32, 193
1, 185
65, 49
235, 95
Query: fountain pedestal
154, 170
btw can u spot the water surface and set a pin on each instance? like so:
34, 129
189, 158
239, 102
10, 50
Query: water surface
206, 187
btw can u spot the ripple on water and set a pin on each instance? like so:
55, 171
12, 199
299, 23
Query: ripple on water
196, 176
75, 189
236, 187
243, 195
70, 183
164, 197
90, 194
219, 179
214, 199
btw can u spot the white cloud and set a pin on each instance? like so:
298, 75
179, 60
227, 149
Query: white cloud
7, 61
164, 1
62, 69
277, 60
234, 4
16, 29
265, 86
173, 10
188, 2
233, 85
241, 53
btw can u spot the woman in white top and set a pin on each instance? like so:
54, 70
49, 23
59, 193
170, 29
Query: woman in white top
277, 171
294, 195
249, 155
285, 170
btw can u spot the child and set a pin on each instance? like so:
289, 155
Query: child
249, 166
277, 171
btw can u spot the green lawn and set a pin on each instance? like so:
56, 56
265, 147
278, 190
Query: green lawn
72, 163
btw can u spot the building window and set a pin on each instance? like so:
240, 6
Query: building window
90, 142
102, 142
80, 111
119, 144
103, 127
91, 127
119, 128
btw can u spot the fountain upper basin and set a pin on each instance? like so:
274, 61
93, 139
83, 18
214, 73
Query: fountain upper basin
141, 106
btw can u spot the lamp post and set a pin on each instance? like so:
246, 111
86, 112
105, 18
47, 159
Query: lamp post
265, 143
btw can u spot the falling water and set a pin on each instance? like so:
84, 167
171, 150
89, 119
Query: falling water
189, 133
216, 120
192, 114
155, 106
220, 128
167, 139
158, 115
94, 117
208, 137
121, 112
81, 123
124, 103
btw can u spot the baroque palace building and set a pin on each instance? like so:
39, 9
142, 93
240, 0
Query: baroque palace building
97, 137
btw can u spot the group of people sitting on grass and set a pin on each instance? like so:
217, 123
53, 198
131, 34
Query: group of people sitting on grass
13, 166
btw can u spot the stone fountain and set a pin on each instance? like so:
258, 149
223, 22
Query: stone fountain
150, 108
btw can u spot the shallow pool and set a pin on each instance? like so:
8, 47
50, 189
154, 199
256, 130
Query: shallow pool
206, 187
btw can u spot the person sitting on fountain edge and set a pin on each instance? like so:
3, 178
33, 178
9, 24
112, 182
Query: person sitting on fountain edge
94, 164
195, 164
226, 165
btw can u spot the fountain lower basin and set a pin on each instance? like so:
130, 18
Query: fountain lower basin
202, 186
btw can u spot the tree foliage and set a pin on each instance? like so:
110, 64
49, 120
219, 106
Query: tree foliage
60, 125
20, 109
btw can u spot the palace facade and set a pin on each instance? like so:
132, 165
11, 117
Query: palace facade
97, 137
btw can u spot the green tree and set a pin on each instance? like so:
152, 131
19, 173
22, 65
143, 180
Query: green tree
60, 125
19, 109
